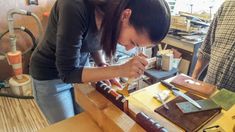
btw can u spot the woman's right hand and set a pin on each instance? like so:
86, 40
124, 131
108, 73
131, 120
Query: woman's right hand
134, 68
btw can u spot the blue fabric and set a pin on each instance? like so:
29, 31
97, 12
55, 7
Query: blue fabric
55, 99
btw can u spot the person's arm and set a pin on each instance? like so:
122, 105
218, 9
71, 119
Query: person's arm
98, 58
131, 69
205, 49
200, 66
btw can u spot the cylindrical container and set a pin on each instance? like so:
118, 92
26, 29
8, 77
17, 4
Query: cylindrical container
21, 87
158, 62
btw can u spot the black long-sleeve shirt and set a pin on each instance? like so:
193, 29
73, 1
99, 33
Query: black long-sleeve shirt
70, 36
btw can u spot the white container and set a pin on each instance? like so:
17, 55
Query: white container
21, 87
167, 62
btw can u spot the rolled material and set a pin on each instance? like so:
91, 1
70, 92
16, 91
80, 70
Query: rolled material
167, 62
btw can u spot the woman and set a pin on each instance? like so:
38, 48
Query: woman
79, 28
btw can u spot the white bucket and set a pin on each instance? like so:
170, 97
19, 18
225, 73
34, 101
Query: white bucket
21, 87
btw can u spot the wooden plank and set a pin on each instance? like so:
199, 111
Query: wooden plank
122, 119
100, 109
81, 122
180, 23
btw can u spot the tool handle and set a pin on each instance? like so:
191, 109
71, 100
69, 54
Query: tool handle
168, 85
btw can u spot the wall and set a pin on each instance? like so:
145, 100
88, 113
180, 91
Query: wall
23, 40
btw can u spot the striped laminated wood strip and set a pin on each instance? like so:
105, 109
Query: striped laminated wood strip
14, 116
18, 115
17, 119
42, 119
35, 118
3, 127
10, 114
25, 107
33, 114
10, 109
25, 117
5, 116
33, 122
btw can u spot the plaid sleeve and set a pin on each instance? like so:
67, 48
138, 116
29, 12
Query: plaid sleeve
205, 49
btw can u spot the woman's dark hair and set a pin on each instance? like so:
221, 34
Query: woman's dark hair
150, 16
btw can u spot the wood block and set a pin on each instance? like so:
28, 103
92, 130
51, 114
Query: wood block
81, 122
122, 119
108, 117
180, 23
194, 86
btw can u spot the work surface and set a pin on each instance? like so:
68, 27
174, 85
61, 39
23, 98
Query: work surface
20, 115
103, 112
144, 99
101, 115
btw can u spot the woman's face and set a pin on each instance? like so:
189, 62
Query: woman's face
129, 37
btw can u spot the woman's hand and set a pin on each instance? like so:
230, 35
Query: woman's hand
135, 67
113, 81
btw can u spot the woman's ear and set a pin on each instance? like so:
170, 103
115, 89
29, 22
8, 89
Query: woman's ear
126, 14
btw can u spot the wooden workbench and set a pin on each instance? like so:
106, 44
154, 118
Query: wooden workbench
101, 115
110, 118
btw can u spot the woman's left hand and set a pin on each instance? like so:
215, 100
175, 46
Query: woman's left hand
113, 81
